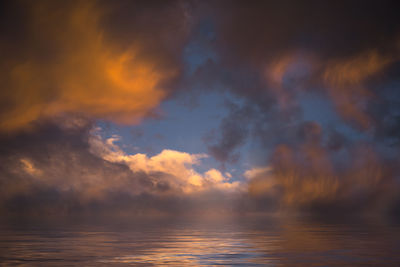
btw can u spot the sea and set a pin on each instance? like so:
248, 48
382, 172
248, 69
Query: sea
197, 241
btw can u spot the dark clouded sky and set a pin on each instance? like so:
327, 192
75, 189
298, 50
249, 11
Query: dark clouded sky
175, 106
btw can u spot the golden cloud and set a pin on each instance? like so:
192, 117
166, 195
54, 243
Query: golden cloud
345, 79
288, 74
306, 175
70, 66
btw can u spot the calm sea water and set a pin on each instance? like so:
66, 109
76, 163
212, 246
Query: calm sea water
241, 242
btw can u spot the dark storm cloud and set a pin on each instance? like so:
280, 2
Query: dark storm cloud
274, 53
281, 49
260, 30
233, 133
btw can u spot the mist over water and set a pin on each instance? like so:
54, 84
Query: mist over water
246, 241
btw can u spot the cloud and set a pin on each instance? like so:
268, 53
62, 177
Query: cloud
287, 74
289, 64
65, 65
29, 168
232, 134
346, 81
256, 171
312, 52
57, 171
177, 168
72, 61
309, 178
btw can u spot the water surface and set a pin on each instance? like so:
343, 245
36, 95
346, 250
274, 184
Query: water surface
239, 242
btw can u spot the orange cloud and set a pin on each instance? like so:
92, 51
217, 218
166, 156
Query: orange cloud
70, 66
275, 74
294, 67
29, 168
345, 79
304, 176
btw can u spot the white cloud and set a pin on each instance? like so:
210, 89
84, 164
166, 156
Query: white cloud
256, 172
177, 167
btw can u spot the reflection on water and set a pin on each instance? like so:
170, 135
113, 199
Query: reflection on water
244, 242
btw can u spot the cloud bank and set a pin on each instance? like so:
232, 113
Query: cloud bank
317, 94
59, 171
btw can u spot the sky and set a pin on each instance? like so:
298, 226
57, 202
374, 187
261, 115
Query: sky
175, 107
